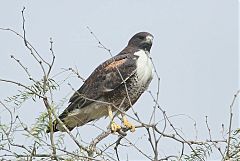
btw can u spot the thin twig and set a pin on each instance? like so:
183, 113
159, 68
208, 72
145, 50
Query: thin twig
230, 124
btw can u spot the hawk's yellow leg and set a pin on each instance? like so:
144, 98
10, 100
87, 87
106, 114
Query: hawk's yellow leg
127, 124
114, 127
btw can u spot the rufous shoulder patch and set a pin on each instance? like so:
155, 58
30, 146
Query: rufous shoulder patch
115, 64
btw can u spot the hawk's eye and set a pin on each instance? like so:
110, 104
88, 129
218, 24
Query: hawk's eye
141, 37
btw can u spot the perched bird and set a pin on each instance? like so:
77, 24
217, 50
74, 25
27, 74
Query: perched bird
113, 87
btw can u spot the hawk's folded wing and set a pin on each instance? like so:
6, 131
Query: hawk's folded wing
105, 78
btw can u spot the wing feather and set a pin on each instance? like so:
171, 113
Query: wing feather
105, 78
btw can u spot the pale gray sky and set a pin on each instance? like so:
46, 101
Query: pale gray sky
195, 51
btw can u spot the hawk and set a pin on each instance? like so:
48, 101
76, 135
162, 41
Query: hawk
113, 87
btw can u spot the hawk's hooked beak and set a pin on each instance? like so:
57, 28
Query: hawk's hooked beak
149, 39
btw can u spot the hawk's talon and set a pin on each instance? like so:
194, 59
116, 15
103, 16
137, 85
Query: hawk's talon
129, 125
114, 127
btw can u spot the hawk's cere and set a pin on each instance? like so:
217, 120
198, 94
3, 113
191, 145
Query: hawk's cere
114, 86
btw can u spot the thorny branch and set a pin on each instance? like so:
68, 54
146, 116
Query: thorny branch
230, 125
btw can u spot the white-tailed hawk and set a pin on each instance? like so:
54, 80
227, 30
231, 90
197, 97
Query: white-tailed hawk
115, 84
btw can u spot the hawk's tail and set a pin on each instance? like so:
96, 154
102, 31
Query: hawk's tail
54, 125
57, 127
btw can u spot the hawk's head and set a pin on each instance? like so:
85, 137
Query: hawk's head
142, 40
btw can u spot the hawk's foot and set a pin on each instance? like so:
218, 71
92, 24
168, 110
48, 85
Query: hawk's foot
114, 127
128, 125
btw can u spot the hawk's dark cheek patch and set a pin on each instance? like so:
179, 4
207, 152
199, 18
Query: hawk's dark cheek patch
115, 64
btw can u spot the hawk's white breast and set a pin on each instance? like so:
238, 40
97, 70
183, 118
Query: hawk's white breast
144, 67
